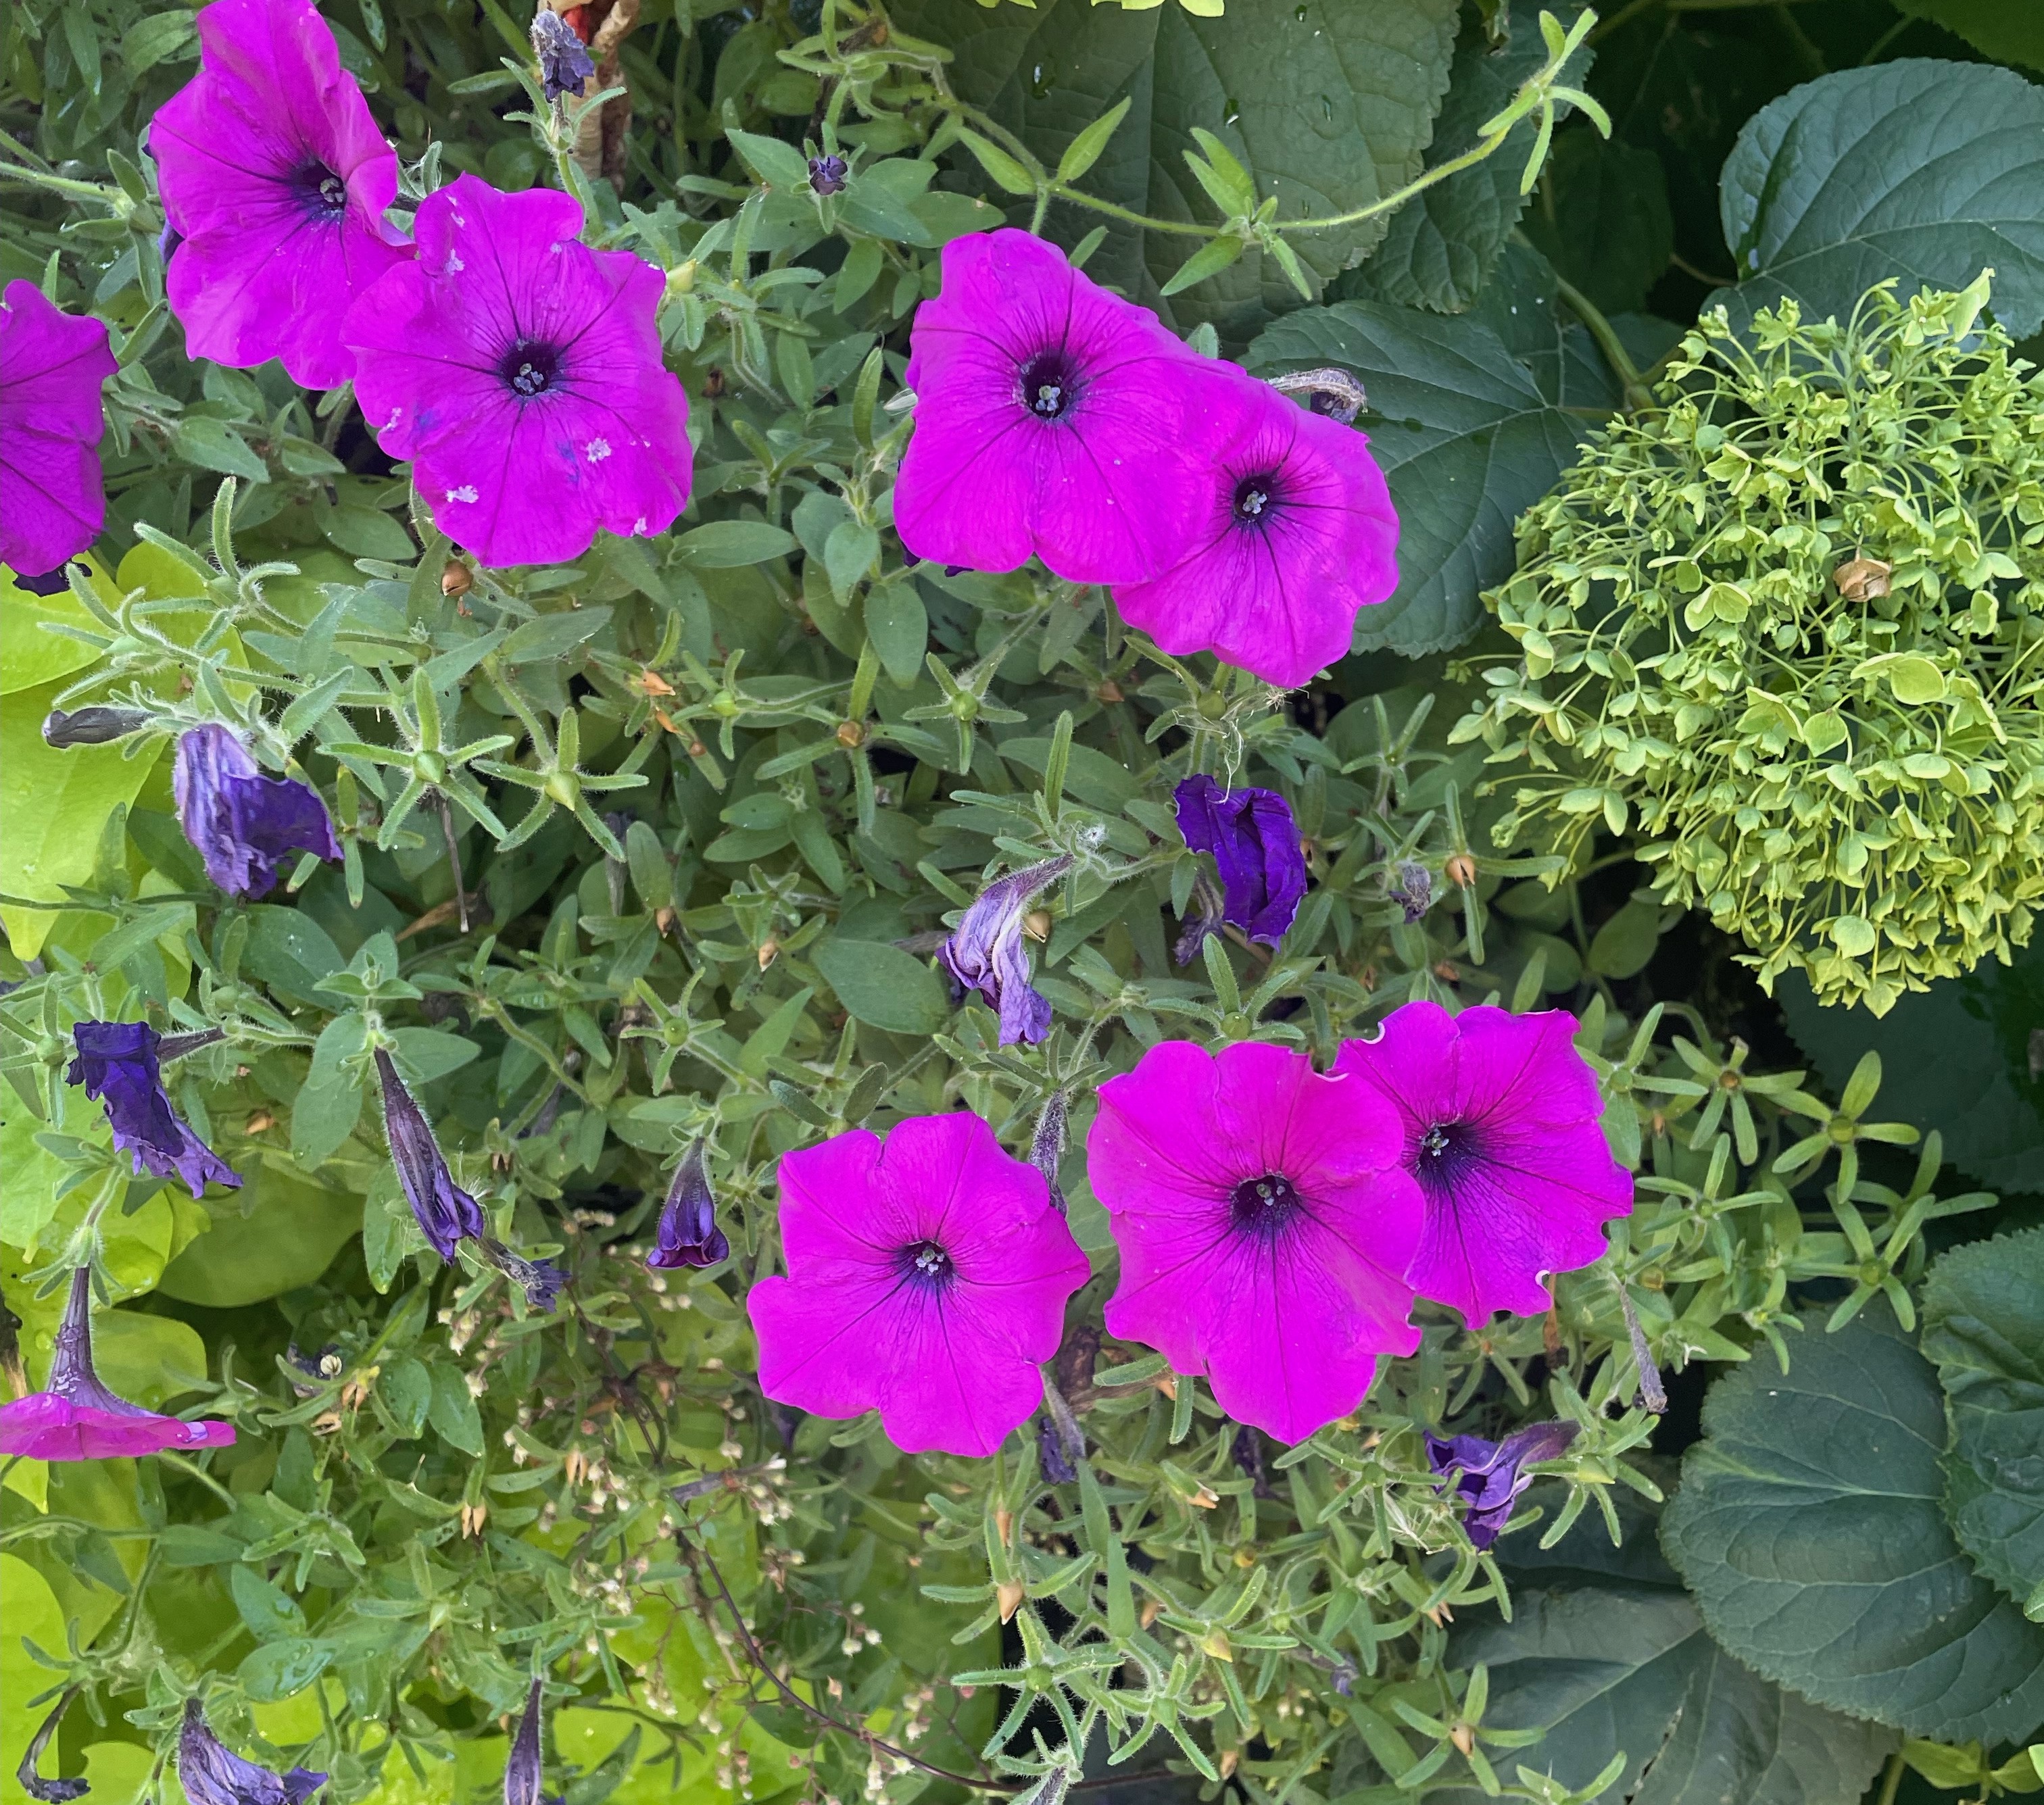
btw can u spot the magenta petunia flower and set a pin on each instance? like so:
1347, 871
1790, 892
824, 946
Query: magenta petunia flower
52, 500
1264, 1225
276, 176
520, 372
76, 1417
927, 1279
1051, 417
1500, 1116
1294, 534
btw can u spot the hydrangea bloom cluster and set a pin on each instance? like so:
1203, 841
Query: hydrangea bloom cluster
52, 496
1057, 420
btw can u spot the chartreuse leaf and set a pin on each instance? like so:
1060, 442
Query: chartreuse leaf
1983, 1325
1930, 171
1326, 106
279, 1231
30, 653
1809, 1526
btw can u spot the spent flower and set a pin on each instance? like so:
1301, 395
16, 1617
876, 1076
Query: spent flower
984, 952
1254, 841
565, 63
213, 1774
447, 1215
1489, 1476
244, 823
120, 1065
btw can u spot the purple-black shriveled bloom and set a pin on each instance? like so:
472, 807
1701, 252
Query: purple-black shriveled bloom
522, 1771
1411, 888
447, 1215
1255, 842
689, 1233
118, 1065
213, 1774
565, 63
984, 952
541, 1280
1488, 1474
828, 175
95, 725
243, 823
49, 1791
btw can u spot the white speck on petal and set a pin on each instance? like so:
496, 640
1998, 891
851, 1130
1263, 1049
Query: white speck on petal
455, 265
466, 493
638, 525
597, 450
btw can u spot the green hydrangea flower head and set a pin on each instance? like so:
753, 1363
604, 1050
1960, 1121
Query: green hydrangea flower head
1791, 629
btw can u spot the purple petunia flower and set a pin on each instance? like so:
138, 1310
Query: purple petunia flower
1264, 1225
1294, 534
565, 63
828, 175
275, 175
688, 1235
522, 1772
213, 1774
1487, 1473
1499, 1115
76, 1418
984, 952
1255, 842
520, 372
926, 1280
243, 823
447, 1215
52, 497
1051, 417
118, 1064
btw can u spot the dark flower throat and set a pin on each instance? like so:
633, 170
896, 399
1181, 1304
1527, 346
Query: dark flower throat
1444, 1150
1263, 1205
1049, 384
325, 194
1256, 498
927, 1264
530, 368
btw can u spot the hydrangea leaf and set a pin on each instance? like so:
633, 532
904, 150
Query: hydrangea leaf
2006, 33
1965, 1044
1983, 1325
1930, 171
1602, 219
1809, 1525
1326, 105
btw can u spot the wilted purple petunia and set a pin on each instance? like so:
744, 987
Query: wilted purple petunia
76, 1418
213, 1774
565, 63
926, 1280
1487, 1473
1500, 1113
1051, 417
984, 952
275, 175
118, 1064
520, 372
828, 175
1294, 535
56, 1792
1264, 1225
1255, 842
52, 497
688, 1235
243, 823
447, 1215
522, 1772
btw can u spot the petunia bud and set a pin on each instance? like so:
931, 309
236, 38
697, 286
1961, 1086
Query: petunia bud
213, 1774
447, 1213
48, 1791
688, 1235
541, 1280
94, 725
522, 1771
827, 175
565, 63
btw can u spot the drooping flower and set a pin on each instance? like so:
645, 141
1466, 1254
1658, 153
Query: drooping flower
119, 1064
522, 1772
75, 1417
521, 373
447, 1215
1293, 535
52, 497
243, 823
1487, 1474
277, 178
1500, 1118
926, 1279
1264, 1225
48, 1791
213, 1774
1255, 842
688, 1235
1051, 417
984, 952
565, 63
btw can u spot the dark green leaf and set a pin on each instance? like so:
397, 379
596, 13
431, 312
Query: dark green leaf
883, 986
725, 545
899, 627
1602, 220
553, 635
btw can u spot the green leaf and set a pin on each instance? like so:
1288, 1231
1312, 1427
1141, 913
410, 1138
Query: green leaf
1965, 1045
553, 635
1808, 1525
1622, 945
279, 1231
883, 986
1084, 151
1602, 220
452, 1410
899, 627
2005, 33
1007, 173
774, 162
406, 1388
1930, 171
211, 446
1441, 248
278, 1669
30, 655
288, 952
1983, 1325
156, 39
727, 545
1326, 105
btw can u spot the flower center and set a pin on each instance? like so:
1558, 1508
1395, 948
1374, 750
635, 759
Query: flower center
1263, 1205
927, 1263
1049, 384
325, 194
1444, 1148
530, 368
1256, 498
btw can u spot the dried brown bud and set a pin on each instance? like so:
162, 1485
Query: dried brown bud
456, 579
575, 1466
1230, 1760
664, 919
1008, 1594
849, 734
1108, 691
1862, 579
1460, 870
769, 953
652, 683
1004, 1521
1463, 1738
258, 1122
473, 1518
1036, 924
1152, 1610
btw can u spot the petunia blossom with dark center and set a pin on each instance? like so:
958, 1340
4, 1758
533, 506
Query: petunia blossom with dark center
244, 823
119, 1065
52, 495
522, 373
1489, 1476
276, 179
1052, 418
1294, 535
213, 1774
1254, 842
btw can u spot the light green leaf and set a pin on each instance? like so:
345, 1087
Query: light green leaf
726, 545
899, 627
883, 986
30, 655
553, 635
279, 1231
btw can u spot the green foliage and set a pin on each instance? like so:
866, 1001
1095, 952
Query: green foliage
1786, 630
